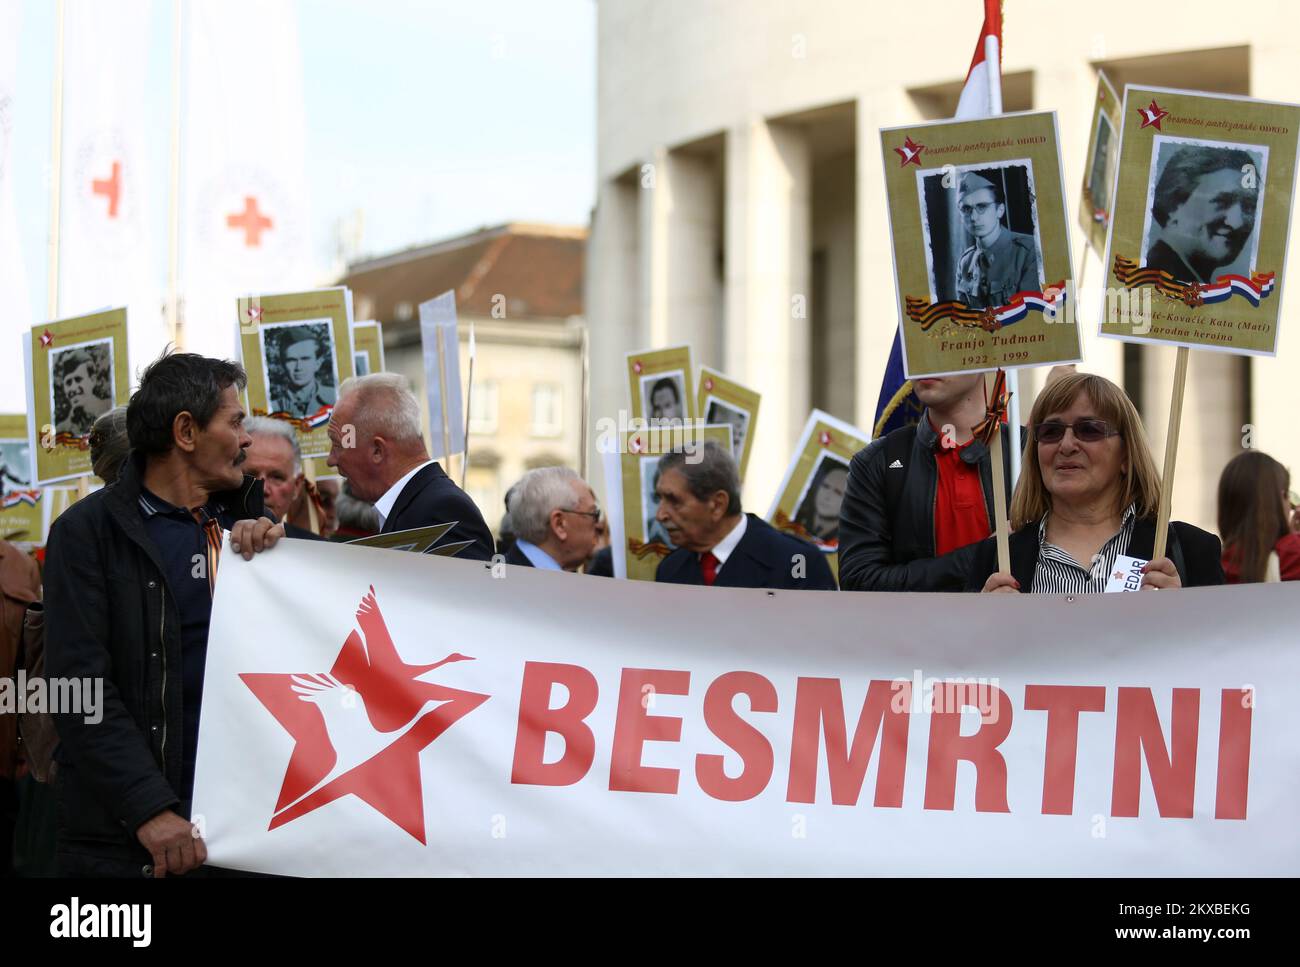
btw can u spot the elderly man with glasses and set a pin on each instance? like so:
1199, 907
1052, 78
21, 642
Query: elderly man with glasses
554, 513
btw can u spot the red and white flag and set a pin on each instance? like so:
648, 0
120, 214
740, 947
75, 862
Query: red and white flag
245, 220
985, 75
15, 310
108, 239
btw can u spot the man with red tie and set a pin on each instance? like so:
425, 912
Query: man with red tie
717, 544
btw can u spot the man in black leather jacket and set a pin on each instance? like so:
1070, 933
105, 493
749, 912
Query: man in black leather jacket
894, 495
128, 577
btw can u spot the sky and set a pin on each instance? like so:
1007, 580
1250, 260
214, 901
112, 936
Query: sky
430, 118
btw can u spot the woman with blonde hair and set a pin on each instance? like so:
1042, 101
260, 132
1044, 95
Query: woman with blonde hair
1089, 492
1258, 520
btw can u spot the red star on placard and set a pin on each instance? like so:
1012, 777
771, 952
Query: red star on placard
910, 152
254, 313
359, 728
708, 385
636, 366
47, 339
635, 444
1153, 115
825, 438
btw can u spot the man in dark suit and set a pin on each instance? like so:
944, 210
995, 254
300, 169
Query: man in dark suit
377, 444
555, 518
717, 544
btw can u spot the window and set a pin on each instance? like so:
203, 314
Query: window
547, 415
483, 407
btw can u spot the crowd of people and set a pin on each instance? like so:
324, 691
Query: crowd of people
130, 569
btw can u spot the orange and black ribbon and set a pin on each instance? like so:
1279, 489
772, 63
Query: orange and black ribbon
212, 533
995, 410
641, 551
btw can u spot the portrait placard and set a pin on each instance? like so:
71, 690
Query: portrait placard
297, 349
367, 347
720, 400
1099, 172
981, 244
440, 342
21, 502
646, 540
659, 382
1197, 247
76, 372
808, 500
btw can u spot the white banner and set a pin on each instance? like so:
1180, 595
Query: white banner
406, 720
15, 309
245, 221
438, 329
108, 243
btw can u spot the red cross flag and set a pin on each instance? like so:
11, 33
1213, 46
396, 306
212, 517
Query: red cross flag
245, 215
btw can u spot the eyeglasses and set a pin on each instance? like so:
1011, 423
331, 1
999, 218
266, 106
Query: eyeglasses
593, 514
979, 208
1085, 431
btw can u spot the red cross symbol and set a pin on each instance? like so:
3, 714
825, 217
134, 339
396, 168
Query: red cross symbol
47, 340
251, 221
111, 187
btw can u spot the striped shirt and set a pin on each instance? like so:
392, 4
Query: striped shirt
1059, 573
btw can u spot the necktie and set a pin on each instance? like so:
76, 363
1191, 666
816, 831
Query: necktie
709, 567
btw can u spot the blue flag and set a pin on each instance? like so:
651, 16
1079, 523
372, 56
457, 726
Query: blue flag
898, 405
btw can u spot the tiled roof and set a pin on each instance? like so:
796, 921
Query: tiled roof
537, 268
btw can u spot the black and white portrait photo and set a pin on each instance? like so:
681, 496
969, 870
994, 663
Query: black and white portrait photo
15, 465
818, 511
981, 233
301, 376
663, 397
361, 363
654, 531
1202, 200
738, 419
81, 385
1101, 170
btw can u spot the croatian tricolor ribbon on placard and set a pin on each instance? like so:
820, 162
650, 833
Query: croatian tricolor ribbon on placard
28, 497
1048, 302
1259, 286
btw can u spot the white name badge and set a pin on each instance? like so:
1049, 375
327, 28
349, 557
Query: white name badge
1126, 575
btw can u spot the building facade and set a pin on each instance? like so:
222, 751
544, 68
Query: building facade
741, 207
520, 287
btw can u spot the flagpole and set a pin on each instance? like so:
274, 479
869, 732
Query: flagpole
173, 204
56, 168
469, 400
442, 395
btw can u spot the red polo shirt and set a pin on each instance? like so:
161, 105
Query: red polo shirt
960, 516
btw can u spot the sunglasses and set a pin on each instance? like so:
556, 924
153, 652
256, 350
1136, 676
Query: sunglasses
1085, 431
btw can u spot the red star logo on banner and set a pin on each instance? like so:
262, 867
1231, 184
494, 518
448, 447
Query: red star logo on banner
110, 187
910, 152
47, 339
1153, 115
825, 438
360, 727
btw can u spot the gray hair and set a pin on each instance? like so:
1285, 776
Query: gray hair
265, 426
707, 469
109, 444
354, 513
386, 406
532, 499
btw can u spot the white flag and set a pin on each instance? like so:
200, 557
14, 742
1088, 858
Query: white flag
108, 244
245, 221
15, 310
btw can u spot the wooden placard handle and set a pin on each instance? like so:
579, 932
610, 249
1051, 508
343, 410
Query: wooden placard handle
1001, 528
1171, 452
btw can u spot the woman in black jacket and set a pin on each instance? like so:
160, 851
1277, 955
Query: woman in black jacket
1088, 493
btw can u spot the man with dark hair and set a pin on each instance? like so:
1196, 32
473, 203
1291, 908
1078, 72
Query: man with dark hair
1205, 210
999, 262
717, 544
303, 395
665, 401
79, 376
129, 576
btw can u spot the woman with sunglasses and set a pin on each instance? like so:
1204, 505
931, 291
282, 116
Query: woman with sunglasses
1089, 492
1261, 533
